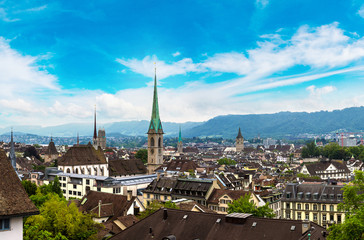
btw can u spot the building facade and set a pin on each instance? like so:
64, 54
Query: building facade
314, 202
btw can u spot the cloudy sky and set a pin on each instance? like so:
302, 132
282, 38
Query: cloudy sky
60, 58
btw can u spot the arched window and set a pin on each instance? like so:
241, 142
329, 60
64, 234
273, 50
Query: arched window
76, 171
152, 142
68, 170
159, 142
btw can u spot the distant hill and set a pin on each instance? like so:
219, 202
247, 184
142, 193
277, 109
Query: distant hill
267, 125
281, 124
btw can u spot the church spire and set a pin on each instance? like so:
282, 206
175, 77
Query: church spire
239, 134
78, 139
155, 122
95, 132
180, 135
12, 151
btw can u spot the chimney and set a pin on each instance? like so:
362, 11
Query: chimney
306, 225
129, 195
165, 214
99, 208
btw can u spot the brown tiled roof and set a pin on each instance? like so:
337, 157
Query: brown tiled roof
111, 204
126, 167
321, 166
179, 165
128, 220
82, 155
14, 201
189, 205
196, 225
233, 194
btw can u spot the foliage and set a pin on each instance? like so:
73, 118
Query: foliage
333, 151
30, 188
57, 221
353, 205
31, 152
154, 206
45, 192
142, 154
310, 150
38, 167
226, 161
243, 205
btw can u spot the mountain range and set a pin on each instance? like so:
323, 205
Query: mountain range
266, 125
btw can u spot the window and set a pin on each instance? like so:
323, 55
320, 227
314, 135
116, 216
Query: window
287, 205
70, 192
99, 189
63, 184
315, 207
222, 201
64, 191
307, 206
74, 193
87, 181
324, 217
74, 186
315, 216
288, 215
79, 193
299, 206
307, 216
324, 207
331, 208
148, 195
299, 216
4, 224
338, 218
331, 217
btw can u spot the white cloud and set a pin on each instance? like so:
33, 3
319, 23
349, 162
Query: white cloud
361, 11
4, 16
318, 92
261, 3
176, 54
146, 66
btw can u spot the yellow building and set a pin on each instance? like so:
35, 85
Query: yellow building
315, 202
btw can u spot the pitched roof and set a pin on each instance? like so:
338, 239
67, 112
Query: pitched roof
233, 194
155, 121
112, 205
14, 201
52, 150
82, 155
321, 166
195, 225
239, 134
180, 165
126, 167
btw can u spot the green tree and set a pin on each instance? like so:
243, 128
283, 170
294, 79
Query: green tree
57, 221
226, 161
31, 152
142, 154
243, 205
30, 188
353, 206
310, 150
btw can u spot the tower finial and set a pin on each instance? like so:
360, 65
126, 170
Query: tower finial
95, 131
12, 151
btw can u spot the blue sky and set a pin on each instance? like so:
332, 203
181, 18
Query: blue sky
59, 58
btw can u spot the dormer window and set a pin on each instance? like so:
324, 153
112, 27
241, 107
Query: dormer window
315, 196
324, 196
308, 195
288, 195
332, 196
300, 195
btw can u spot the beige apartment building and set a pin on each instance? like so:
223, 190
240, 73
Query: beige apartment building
314, 202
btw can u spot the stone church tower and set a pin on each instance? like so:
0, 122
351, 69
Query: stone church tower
239, 142
155, 135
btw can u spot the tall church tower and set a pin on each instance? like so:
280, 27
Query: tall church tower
155, 134
12, 151
94, 139
180, 143
239, 142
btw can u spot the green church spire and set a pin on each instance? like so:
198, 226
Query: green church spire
155, 122
180, 135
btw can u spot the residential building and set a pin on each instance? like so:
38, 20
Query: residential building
334, 169
314, 202
14, 201
167, 189
220, 199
